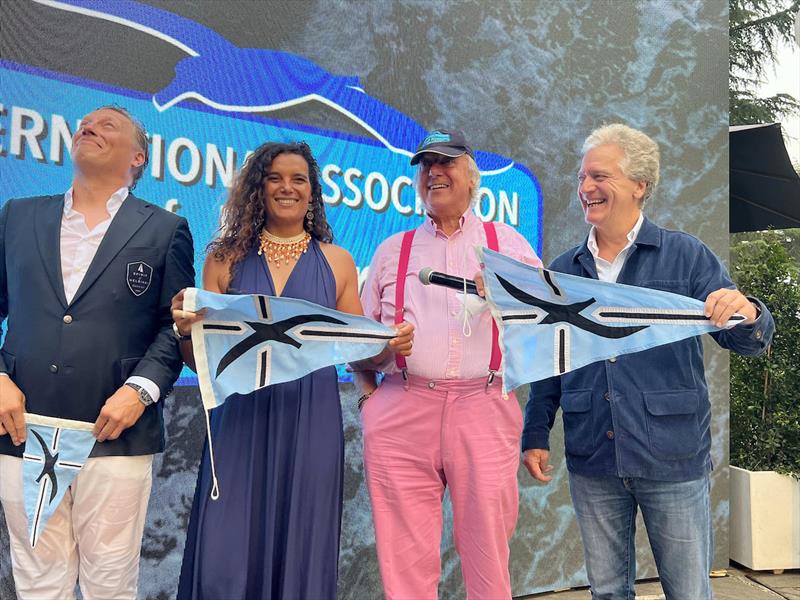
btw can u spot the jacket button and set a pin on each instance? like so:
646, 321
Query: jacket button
67, 319
759, 334
607, 396
53, 369
610, 435
613, 359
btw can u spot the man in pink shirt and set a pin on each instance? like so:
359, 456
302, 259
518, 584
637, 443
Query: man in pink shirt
441, 420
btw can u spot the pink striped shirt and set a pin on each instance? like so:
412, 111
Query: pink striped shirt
441, 350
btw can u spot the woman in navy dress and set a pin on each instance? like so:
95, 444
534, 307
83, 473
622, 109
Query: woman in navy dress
274, 531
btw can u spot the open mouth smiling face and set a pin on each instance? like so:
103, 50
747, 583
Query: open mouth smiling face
444, 182
607, 195
287, 189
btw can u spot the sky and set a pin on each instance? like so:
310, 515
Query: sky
785, 78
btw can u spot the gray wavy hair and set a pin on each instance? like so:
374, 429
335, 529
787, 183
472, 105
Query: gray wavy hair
642, 157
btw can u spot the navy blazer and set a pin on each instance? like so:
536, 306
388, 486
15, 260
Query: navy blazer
69, 358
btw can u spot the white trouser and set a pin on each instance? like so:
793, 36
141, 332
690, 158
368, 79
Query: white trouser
94, 536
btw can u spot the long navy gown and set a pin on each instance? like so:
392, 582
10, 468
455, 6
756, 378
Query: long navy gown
274, 531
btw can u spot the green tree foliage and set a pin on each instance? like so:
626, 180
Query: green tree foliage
765, 391
756, 29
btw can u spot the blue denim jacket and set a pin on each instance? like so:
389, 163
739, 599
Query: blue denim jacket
645, 414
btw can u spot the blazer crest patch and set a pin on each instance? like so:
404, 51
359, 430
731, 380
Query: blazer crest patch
139, 277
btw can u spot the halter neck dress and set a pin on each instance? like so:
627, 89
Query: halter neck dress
274, 531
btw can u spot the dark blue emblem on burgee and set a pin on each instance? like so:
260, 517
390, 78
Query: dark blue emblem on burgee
255, 80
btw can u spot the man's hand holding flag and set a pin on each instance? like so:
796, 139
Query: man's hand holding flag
551, 323
55, 451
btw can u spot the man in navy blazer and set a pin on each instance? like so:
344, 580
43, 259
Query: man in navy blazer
86, 280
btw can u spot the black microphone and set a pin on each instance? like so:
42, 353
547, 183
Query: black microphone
428, 276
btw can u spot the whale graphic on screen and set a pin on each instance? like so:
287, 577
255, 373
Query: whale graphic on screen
227, 78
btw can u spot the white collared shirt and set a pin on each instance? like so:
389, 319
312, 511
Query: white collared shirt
78, 244
609, 271
78, 248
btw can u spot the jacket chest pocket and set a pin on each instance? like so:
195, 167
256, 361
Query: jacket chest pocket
672, 426
576, 406
138, 273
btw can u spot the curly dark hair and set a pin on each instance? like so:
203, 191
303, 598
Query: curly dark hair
245, 215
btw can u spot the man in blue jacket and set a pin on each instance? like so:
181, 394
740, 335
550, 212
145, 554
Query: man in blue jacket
86, 280
637, 427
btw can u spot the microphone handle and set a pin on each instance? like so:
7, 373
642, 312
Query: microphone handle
453, 282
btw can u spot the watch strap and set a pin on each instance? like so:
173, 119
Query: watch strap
144, 396
179, 335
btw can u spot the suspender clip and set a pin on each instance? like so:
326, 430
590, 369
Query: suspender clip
490, 378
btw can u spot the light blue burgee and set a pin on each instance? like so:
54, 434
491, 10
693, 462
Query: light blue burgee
247, 342
55, 451
551, 323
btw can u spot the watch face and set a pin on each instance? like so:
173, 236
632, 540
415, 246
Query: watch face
144, 395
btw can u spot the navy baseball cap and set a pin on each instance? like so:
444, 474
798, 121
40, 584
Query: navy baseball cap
450, 143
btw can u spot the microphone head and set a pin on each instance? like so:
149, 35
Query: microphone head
425, 275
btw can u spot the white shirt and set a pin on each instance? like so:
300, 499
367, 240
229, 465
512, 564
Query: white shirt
78, 247
78, 244
609, 271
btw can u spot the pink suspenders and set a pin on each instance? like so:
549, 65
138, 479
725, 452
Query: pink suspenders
400, 295
497, 356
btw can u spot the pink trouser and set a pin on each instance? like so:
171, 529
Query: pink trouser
437, 434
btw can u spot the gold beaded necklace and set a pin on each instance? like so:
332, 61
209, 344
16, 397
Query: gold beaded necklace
278, 249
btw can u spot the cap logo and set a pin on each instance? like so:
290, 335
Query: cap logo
436, 137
